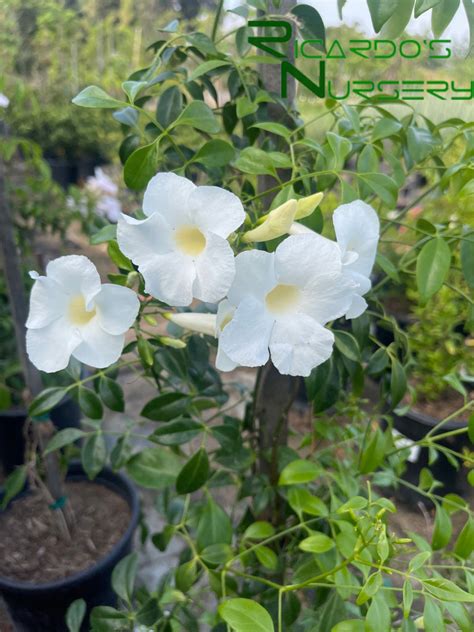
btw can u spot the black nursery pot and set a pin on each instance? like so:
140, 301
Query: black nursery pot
12, 441
415, 426
42, 607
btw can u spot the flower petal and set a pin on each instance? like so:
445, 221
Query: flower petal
194, 321
98, 348
357, 228
140, 239
48, 301
357, 307
223, 362
254, 276
216, 210
75, 274
215, 269
50, 347
117, 307
169, 278
299, 229
301, 257
245, 339
299, 344
168, 195
327, 296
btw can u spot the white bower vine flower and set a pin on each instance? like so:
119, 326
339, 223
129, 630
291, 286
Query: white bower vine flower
181, 248
357, 229
73, 314
282, 301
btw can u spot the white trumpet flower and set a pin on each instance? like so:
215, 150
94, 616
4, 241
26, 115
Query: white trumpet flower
73, 314
282, 301
181, 248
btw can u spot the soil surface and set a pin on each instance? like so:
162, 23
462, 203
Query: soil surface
445, 406
32, 548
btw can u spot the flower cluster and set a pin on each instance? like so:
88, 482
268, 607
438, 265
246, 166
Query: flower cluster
271, 305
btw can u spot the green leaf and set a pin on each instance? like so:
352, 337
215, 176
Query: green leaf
470, 428
108, 619
111, 394
381, 11
467, 259
274, 128
318, 543
171, 27
388, 267
424, 5
169, 106
132, 88
398, 382
254, 161
154, 468
347, 345
206, 67
194, 473
105, 234
166, 407
123, 577
370, 588
75, 615
63, 438
176, 432
398, 21
260, 530
117, 256
353, 504
465, 541
149, 613
93, 454
446, 590
301, 500
311, 25
13, 485
215, 153
217, 554
460, 615
378, 616
5, 397
418, 561
90, 404
141, 166
407, 598
299, 471
214, 526
340, 147
385, 127
245, 615
245, 107
420, 143
432, 617
432, 267
267, 558
95, 97
202, 42
46, 400
442, 529
350, 625
200, 116
442, 15
382, 185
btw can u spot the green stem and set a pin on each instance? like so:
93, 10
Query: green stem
215, 26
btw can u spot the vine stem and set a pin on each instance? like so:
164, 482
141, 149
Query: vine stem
215, 26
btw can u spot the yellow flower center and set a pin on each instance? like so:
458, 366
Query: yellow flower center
282, 299
190, 240
78, 315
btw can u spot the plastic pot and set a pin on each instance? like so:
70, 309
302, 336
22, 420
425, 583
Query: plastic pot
415, 426
66, 414
42, 607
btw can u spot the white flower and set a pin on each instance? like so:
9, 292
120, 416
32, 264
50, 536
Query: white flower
225, 313
71, 313
4, 101
181, 249
357, 229
282, 300
105, 193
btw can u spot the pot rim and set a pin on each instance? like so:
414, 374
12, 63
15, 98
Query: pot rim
427, 420
76, 471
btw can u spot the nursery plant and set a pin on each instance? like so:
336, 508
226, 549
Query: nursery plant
253, 256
